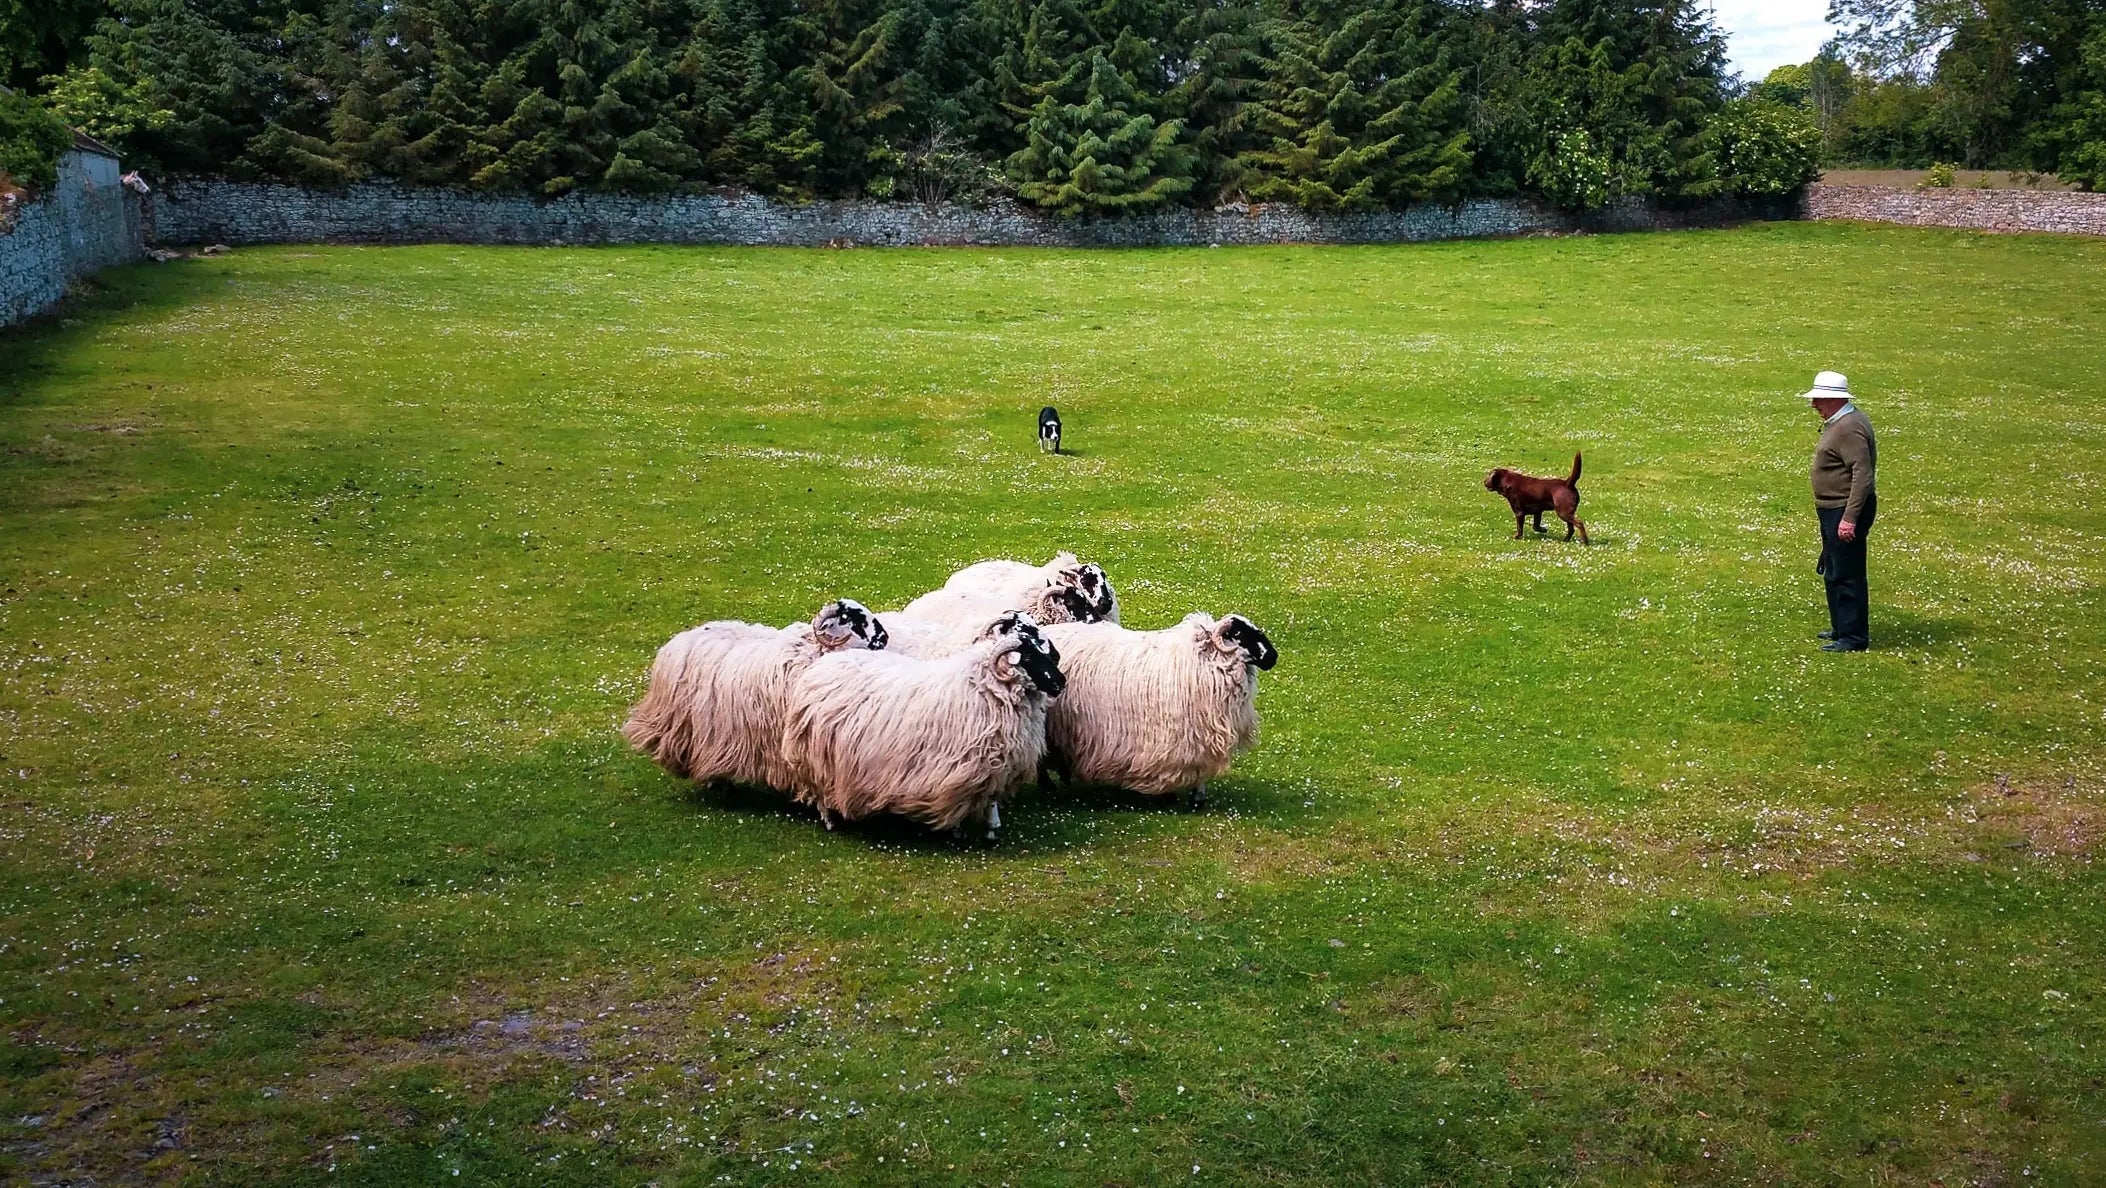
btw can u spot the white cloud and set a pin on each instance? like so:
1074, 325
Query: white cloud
1762, 35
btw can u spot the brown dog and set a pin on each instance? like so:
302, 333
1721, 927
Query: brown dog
1531, 496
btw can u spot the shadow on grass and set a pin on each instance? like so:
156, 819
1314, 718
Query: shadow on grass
1036, 822
37, 348
1905, 629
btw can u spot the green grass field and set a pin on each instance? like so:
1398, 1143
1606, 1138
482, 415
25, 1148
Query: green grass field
329, 574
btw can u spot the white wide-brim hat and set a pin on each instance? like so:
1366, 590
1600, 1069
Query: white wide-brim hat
1829, 385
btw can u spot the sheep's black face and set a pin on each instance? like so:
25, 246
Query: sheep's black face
858, 619
1040, 660
1257, 646
1096, 590
1077, 605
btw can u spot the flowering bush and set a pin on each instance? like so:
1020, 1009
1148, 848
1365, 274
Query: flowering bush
1570, 172
1764, 149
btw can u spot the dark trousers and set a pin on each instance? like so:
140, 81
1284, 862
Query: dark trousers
1842, 570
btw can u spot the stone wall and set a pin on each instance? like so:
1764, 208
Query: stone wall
1982, 210
87, 222
235, 213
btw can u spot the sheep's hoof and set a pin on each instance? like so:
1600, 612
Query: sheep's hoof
1196, 799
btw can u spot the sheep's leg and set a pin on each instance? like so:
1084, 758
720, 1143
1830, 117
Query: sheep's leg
826, 817
994, 820
1197, 798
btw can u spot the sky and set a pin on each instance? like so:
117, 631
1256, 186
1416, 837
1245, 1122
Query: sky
1762, 35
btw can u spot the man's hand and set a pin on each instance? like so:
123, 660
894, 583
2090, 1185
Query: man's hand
1847, 530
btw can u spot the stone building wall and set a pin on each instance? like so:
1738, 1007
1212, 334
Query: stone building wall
86, 223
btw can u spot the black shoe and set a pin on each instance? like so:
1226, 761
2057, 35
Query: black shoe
1825, 635
1841, 645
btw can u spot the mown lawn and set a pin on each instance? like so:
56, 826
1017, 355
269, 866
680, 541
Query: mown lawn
329, 573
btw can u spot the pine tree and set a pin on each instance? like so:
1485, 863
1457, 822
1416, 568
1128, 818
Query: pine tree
1100, 155
1217, 74
1358, 114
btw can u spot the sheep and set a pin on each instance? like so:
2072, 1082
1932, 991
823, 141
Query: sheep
939, 741
967, 619
989, 587
1156, 711
1014, 578
718, 692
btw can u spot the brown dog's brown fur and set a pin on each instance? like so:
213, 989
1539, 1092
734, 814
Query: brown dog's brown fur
1532, 496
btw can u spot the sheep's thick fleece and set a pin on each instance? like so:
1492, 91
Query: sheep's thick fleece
717, 700
959, 608
1005, 578
1153, 711
940, 741
931, 639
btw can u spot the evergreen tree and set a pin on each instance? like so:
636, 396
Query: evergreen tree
1360, 111
1100, 155
1214, 81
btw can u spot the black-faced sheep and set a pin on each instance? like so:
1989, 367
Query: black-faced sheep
938, 741
718, 693
987, 587
970, 618
1156, 711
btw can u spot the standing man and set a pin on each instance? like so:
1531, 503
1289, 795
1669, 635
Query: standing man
1846, 500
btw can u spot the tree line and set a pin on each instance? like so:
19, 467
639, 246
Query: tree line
1077, 106
1985, 84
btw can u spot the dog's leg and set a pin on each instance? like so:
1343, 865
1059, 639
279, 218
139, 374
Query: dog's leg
1539, 521
1582, 531
1520, 520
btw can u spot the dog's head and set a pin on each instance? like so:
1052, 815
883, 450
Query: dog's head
1496, 481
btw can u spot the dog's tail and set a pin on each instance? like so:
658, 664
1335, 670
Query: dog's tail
1574, 480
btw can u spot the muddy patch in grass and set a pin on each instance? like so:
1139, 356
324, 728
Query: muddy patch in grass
2048, 818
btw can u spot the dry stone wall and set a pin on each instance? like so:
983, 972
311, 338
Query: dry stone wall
1981, 210
235, 213
86, 223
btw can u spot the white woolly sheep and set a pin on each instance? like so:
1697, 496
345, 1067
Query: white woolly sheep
1156, 711
952, 621
1061, 591
718, 692
939, 741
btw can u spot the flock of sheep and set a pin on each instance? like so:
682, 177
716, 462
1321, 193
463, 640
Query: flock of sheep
942, 709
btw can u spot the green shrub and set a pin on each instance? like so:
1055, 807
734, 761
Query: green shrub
32, 139
1570, 173
1940, 176
1764, 149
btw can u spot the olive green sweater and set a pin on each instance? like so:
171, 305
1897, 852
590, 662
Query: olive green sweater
1843, 463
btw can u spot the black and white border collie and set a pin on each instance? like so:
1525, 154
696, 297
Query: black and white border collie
1048, 429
